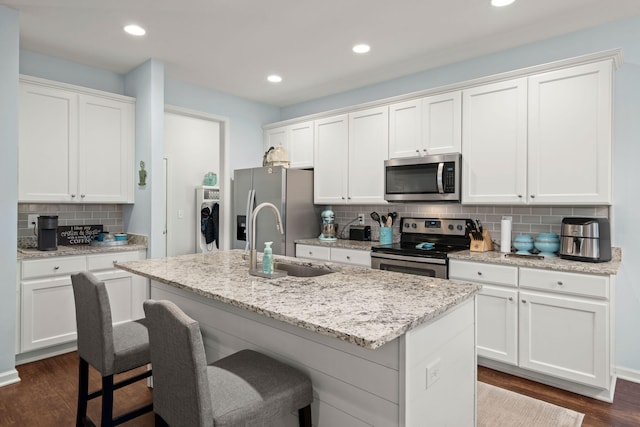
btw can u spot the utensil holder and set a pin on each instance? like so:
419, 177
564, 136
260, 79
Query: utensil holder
386, 235
481, 245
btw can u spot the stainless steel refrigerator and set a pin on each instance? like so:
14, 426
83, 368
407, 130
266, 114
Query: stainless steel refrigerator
290, 190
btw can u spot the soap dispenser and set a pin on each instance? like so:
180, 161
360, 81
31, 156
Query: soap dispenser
267, 259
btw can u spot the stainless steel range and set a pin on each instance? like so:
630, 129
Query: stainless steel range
424, 246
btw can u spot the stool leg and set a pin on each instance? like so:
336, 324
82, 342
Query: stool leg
304, 416
83, 391
160, 422
107, 401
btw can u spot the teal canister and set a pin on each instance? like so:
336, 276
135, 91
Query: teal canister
386, 235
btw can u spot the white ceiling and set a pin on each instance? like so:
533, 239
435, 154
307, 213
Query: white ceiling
232, 45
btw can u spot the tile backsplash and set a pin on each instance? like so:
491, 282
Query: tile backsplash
526, 219
72, 214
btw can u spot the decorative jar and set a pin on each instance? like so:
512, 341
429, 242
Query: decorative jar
523, 243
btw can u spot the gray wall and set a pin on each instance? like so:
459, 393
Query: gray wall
624, 34
9, 39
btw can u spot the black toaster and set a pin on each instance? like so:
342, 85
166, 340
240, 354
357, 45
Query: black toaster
360, 232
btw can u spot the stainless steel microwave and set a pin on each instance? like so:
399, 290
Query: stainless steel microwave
433, 178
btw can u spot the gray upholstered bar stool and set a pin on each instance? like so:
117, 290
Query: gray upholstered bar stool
110, 349
246, 388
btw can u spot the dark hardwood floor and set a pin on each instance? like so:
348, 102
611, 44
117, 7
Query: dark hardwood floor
46, 397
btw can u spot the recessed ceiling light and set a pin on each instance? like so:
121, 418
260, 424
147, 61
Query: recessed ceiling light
500, 3
273, 78
361, 48
135, 30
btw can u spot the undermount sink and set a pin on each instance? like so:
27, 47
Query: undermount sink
297, 270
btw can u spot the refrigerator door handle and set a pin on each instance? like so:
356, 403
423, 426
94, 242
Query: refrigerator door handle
249, 213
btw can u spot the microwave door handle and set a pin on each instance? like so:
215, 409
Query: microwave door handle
439, 179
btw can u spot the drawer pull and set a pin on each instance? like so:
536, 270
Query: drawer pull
560, 283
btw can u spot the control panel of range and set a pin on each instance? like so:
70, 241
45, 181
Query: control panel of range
449, 226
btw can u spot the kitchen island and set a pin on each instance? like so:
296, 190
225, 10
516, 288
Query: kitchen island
382, 348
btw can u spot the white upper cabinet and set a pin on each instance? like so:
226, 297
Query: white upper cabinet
494, 143
543, 139
350, 150
331, 149
430, 125
276, 136
48, 147
301, 145
106, 139
569, 147
74, 146
297, 139
405, 129
368, 144
442, 123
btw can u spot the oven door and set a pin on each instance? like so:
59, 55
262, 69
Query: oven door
431, 267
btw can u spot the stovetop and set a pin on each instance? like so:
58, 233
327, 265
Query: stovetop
441, 235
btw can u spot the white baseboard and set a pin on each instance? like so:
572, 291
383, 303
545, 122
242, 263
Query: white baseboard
628, 374
9, 377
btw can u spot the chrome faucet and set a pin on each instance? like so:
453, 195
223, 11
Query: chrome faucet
253, 256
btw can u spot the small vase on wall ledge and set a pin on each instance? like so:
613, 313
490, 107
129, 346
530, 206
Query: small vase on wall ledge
143, 175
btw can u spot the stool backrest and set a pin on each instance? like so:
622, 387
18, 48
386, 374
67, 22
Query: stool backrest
93, 322
181, 393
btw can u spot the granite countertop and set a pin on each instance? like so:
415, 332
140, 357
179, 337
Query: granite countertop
340, 243
555, 263
135, 242
355, 304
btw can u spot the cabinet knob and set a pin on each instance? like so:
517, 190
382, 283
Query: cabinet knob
310, 253
510, 298
533, 196
57, 267
560, 283
479, 273
524, 301
349, 197
348, 257
519, 196
342, 197
82, 195
417, 151
73, 196
115, 261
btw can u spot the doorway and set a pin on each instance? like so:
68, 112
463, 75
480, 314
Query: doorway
195, 143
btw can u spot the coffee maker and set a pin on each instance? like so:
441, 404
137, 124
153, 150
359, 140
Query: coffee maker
585, 239
48, 232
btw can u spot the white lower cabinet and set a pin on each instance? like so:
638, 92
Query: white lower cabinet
565, 337
498, 324
544, 324
342, 255
47, 307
